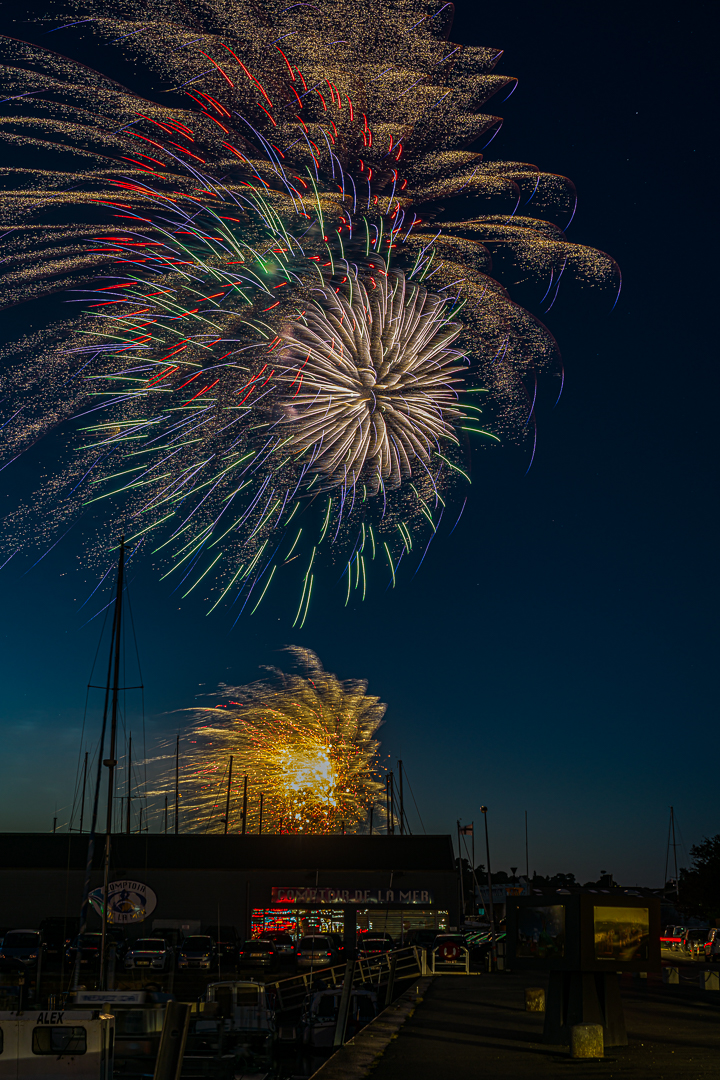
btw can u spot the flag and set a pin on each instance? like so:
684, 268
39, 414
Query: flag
466, 830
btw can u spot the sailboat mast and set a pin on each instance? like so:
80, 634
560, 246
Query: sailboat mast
402, 799
177, 782
110, 762
672, 821
129, 782
227, 804
82, 803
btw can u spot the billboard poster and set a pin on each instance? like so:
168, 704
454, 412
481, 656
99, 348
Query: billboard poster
621, 933
541, 931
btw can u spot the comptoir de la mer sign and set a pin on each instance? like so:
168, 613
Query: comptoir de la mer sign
128, 901
293, 895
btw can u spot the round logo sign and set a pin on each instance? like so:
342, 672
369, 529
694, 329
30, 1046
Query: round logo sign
128, 901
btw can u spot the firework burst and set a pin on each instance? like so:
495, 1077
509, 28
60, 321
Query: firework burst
262, 374
307, 744
379, 380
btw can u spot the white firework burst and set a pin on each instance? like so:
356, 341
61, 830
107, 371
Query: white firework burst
375, 380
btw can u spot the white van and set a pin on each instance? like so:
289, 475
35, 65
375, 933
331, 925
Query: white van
50, 1045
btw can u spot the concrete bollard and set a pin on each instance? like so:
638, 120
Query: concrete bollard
671, 976
586, 1041
710, 980
534, 999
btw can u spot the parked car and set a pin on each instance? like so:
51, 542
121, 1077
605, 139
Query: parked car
694, 940
678, 936
480, 945
197, 951
259, 952
451, 950
316, 950
89, 953
338, 942
148, 952
23, 946
284, 944
374, 944
57, 933
421, 939
226, 941
671, 938
712, 945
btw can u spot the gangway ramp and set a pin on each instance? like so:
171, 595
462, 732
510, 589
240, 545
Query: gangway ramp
406, 963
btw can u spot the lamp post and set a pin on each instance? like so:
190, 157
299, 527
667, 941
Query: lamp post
493, 944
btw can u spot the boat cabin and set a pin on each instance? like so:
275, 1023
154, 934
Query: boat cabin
244, 1002
50, 1045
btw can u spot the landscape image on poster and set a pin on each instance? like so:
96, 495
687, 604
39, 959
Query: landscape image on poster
541, 932
621, 933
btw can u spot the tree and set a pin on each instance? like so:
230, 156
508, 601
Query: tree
700, 886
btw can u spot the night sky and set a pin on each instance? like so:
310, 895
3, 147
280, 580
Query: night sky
556, 653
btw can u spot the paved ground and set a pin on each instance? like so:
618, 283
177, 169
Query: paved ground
475, 1027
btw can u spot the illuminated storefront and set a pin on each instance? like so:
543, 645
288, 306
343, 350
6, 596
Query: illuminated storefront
300, 920
339, 883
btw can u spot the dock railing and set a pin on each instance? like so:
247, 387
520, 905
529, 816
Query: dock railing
409, 962
440, 966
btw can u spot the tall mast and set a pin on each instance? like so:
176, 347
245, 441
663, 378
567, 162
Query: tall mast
527, 861
177, 781
82, 803
462, 884
129, 782
402, 800
672, 822
110, 762
244, 824
227, 804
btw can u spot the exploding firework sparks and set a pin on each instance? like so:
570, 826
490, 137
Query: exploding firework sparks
261, 379
305, 742
380, 383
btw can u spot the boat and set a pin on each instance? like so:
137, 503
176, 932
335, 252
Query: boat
54, 1044
320, 1014
244, 1003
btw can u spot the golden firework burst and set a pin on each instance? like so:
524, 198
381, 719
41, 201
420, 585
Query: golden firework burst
306, 743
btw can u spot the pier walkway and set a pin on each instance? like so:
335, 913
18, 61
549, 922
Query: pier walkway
474, 1027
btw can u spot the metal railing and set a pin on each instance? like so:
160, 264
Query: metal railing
405, 963
440, 966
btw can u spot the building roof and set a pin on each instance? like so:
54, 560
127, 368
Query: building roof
44, 851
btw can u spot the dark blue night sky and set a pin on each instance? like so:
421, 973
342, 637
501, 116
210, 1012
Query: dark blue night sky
556, 654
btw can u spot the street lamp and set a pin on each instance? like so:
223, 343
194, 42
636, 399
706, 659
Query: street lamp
493, 944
